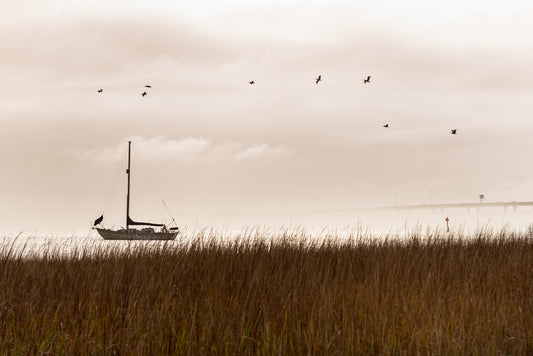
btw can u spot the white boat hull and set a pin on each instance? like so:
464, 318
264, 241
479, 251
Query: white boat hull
133, 234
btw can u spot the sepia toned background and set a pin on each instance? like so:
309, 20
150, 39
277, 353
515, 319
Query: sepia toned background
221, 151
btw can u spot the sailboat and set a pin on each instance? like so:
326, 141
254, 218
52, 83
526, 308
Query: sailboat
150, 231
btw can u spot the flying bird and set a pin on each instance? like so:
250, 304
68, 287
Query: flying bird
453, 131
386, 125
100, 90
319, 78
143, 93
251, 82
147, 86
367, 80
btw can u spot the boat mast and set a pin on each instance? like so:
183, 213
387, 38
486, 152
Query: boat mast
128, 196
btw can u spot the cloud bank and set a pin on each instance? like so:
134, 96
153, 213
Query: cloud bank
189, 149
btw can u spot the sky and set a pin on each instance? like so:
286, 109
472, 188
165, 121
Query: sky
218, 150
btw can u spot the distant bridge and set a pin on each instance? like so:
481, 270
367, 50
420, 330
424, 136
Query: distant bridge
505, 205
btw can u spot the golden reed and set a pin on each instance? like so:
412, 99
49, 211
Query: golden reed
431, 295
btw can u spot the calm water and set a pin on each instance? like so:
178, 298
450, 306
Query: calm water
308, 228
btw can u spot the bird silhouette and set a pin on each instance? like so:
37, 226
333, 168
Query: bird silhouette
143, 93
367, 80
386, 125
251, 82
453, 131
147, 86
100, 90
319, 78
98, 221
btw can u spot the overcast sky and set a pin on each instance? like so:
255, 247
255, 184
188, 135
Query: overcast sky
220, 150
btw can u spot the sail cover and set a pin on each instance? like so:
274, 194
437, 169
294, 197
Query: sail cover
131, 222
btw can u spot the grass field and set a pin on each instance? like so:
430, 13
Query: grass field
365, 295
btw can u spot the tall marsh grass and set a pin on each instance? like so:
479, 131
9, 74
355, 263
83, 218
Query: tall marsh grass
264, 295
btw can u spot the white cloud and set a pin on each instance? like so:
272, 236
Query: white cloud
190, 149
259, 151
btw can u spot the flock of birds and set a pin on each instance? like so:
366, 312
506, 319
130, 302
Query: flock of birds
143, 94
317, 80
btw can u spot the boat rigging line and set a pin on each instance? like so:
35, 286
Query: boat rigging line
154, 192
112, 188
149, 183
